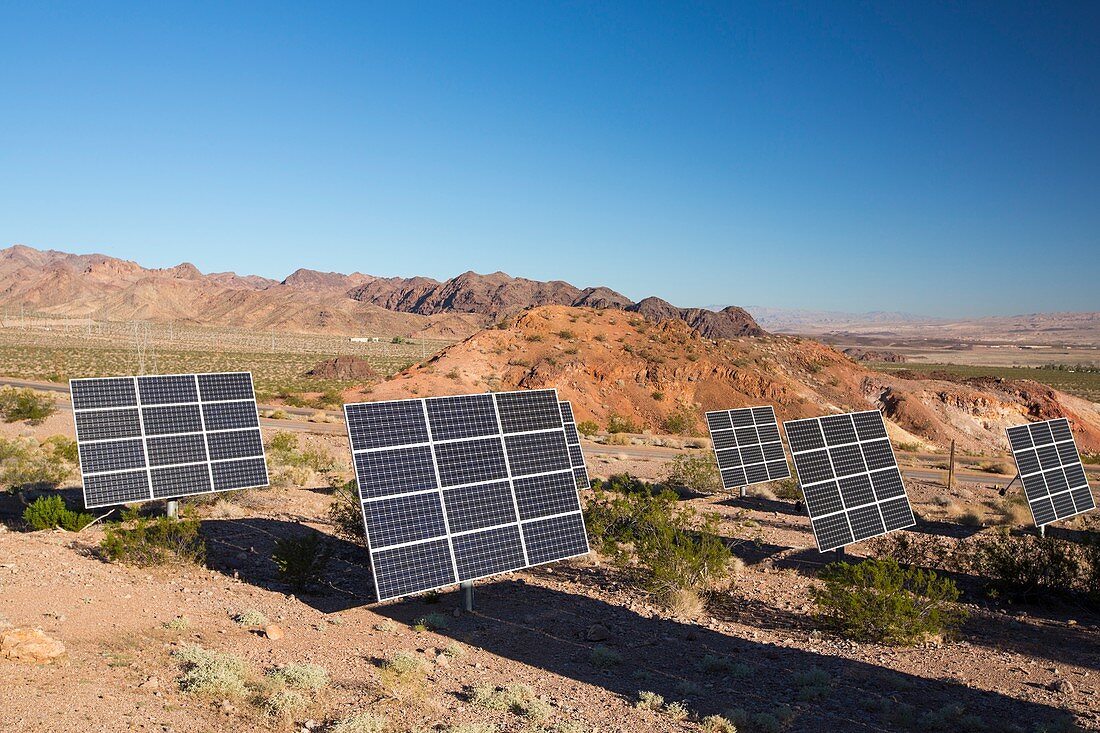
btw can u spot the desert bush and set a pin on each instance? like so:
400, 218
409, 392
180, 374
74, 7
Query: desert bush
27, 464
604, 657
697, 474
300, 676
302, 560
207, 672
17, 405
519, 700
403, 675
787, 489
346, 513
912, 549
48, 512
1027, 567
717, 724
143, 541
649, 701
282, 704
289, 464
618, 424
878, 600
681, 421
588, 428
250, 618
677, 711
431, 622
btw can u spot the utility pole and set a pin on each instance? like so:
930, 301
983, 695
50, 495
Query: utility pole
951, 467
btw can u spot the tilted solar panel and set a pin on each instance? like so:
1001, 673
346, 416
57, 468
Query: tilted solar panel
747, 446
573, 440
455, 489
166, 436
1050, 469
849, 477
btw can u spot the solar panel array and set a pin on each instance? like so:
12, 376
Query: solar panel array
1050, 470
460, 488
747, 445
166, 436
849, 476
573, 440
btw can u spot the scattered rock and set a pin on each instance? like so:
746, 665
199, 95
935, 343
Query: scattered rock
597, 632
274, 632
1063, 687
442, 660
30, 645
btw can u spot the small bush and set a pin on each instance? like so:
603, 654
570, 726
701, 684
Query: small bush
283, 704
519, 700
179, 623
697, 474
289, 464
431, 622
300, 676
360, 723
346, 513
649, 701
878, 600
787, 489
677, 711
17, 405
619, 424
48, 512
27, 464
1027, 567
144, 542
588, 428
403, 675
567, 334
717, 724
604, 657
912, 549
681, 421
207, 672
250, 619
302, 560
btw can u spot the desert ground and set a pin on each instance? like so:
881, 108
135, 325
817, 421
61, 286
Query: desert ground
580, 634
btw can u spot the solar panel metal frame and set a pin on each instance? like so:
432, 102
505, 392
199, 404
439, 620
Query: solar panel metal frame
502, 433
573, 442
1025, 441
807, 459
746, 417
120, 407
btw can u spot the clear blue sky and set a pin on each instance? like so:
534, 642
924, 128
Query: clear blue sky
937, 158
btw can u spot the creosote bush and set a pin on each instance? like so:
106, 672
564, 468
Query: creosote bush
879, 601
403, 675
48, 512
143, 541
519, 700
696, 474
302, 560
289, 464
641, 526
300, 676
27, 464
359, 723
619, 424
1029, 567
25, 404
207, 672
588, 428
346, 513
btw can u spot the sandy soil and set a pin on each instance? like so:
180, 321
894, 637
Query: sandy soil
529, 627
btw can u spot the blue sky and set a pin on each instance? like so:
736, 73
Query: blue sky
936, 158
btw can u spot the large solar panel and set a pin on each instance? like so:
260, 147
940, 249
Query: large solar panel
573, 440
849, 476
459, 488
166, 436
1050, 470
747, 445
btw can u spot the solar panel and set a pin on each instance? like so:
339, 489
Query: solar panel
849, 477
166, 436
1050, 470
459, 488
573, 441
747, 446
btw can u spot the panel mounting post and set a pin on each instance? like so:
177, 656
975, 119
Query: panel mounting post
467, 587
840, 554
741, 491
1042, 530
173, 509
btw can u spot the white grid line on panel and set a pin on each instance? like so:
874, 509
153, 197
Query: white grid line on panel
439, 493
478, 530
508, 468
205, 437
452, 441
362, 504
144, 445
836, 480
458, 486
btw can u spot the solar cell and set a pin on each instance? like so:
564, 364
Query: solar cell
459, 488
1050, 470
849, 476
166, 436
747, 446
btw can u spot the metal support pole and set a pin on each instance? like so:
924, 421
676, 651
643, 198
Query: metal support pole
467, 594
173, 509
1042, 530
951, 467
742, 491
840, 554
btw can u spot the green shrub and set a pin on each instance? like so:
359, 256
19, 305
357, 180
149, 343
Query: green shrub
787, 489
144, 542
48, 512
1027, 567
567, 334
282, 704
403, 675
604, 657
359, 723
649, 701
519, 700
681, 421
25, 404
250, 618
879, 601
300, 676
588, 428
697, 474
912, 549
289, 464
346, 513
619, 424
207, 672
302, 560
25, 463
431, 622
